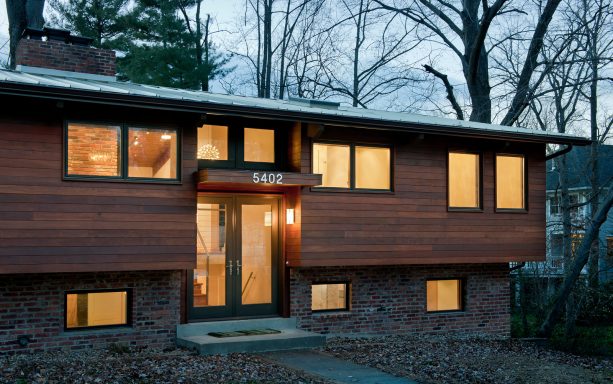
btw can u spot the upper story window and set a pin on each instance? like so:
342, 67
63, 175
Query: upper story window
510, 182
464, 180
238, 146
356, 167
121, 152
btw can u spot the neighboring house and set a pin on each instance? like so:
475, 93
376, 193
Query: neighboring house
578, 162
126, 210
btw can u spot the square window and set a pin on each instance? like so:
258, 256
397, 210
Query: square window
259, 145
93, 150
332, 162
213, 142
510, 182
152, 153
464, 178
329, 297
97, 309
372, 167
444, 295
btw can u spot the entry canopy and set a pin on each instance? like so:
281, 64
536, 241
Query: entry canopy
254, 179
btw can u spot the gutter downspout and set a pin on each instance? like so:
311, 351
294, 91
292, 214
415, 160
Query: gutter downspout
561, 152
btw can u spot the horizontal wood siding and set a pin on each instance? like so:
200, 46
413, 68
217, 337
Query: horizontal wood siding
412, 225
51, 225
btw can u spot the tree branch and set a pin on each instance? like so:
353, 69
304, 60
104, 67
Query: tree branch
449, 88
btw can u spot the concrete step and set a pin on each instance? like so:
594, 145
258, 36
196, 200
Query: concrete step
196, 336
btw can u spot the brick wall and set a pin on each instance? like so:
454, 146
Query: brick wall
34, 305
63, 56
393, 299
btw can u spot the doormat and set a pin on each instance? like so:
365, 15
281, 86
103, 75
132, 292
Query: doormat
249, 332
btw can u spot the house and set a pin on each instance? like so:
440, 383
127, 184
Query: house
578, 162
129, 212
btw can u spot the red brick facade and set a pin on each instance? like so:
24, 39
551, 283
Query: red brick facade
393, 299
33, 305
62, 56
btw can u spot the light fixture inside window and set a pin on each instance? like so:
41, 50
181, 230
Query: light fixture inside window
208, 152
289, 216
166, 136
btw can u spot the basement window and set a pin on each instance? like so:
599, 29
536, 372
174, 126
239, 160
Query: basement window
444, 295
329, 297
99, 151
97, 309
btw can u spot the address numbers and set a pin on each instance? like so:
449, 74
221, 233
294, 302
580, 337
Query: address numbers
267, 178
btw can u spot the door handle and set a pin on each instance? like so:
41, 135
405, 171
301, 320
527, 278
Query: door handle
229, 266
238, 267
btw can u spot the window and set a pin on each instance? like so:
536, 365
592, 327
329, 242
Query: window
97, 309
213, 142
94, 150
333, 162
510, 182
348, 166
556, 245
444, 295
464, 180
121, 152
329, 297
372, 168
152, 153
554, 205
259, 145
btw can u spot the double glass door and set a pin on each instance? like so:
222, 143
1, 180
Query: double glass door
237, 247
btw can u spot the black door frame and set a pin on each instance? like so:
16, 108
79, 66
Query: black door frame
234, 308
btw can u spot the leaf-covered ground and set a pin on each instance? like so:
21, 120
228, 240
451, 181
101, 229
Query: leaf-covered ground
449, 359
106, 367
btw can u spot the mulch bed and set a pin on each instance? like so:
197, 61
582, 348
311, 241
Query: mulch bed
454, 359
129, 366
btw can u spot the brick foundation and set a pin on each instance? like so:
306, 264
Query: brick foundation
34, 305
393, 299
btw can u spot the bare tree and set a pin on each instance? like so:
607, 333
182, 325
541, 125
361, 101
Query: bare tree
463, 27
373, 64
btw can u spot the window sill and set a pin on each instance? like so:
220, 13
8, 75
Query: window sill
98, 330
332, 313
456, 209
119, 180
345, 190
447, 312
509, 210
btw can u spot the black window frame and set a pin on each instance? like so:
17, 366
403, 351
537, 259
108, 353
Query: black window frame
526, 205
236, 145
352, 167
461, 294
123, 153
480, 161
129, 309
347, 307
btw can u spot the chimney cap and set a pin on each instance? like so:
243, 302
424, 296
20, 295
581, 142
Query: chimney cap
33, 34
56, 34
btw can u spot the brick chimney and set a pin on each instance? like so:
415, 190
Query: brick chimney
56, 51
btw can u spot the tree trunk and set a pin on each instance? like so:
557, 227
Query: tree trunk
22, 14
581, 259
593, 265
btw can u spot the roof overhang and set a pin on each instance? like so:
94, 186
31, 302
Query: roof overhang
204, 107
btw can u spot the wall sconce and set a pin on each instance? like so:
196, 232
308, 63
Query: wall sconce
268, 219
289, 216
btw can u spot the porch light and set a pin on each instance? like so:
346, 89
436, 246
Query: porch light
289, 216
268, 219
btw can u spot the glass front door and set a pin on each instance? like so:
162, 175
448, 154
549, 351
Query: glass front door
237, 249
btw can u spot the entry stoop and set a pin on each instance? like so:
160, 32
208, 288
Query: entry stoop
196, 336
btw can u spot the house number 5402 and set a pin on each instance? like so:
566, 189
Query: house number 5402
267, 178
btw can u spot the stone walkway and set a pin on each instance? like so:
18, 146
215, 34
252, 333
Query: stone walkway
332, 368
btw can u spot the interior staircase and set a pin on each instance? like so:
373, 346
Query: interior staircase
196, 336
